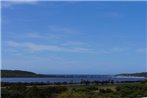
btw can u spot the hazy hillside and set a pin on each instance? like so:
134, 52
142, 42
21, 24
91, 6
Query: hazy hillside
17, 73
142, 74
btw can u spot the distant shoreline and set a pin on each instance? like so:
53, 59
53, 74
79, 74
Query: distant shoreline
24, 74
128, 77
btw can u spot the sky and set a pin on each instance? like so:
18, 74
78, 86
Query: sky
74, 37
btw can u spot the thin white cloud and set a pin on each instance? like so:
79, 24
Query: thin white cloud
113, 14
33, 47
142, 50
72, 43
10, 3
40, 47
34, 35
41, 36
13, 44
54, 32
118, 49
57, 29
112, 50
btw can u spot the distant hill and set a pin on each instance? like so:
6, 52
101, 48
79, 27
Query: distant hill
18, 73
142, 74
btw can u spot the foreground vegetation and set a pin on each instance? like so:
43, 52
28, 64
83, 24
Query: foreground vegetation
90, 90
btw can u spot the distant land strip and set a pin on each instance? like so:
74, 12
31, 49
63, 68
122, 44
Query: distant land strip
20, 73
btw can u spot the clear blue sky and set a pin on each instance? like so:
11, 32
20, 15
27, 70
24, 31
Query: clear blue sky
74, 37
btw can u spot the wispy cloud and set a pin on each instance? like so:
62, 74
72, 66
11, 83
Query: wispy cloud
118, 49
41, 47
65, 47
142, 50
112, 50
53, 32
35, 35
65, 30
32, 35
10, 3
13, 44
72, 43
113, 14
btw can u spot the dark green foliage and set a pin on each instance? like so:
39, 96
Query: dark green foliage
86, 89
133, 90
16, 73
20, 91
105, 91
32, 90
19, 73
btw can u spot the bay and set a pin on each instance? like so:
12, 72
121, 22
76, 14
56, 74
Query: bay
52, 80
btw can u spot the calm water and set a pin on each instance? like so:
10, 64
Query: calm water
66, 79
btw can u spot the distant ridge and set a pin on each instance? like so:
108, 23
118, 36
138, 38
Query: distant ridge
142, 74
17, 73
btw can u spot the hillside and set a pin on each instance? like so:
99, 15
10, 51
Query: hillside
17, 73
142, 74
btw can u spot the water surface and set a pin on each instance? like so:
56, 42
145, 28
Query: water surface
66, 79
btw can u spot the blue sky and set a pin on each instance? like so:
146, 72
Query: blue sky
74, 37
